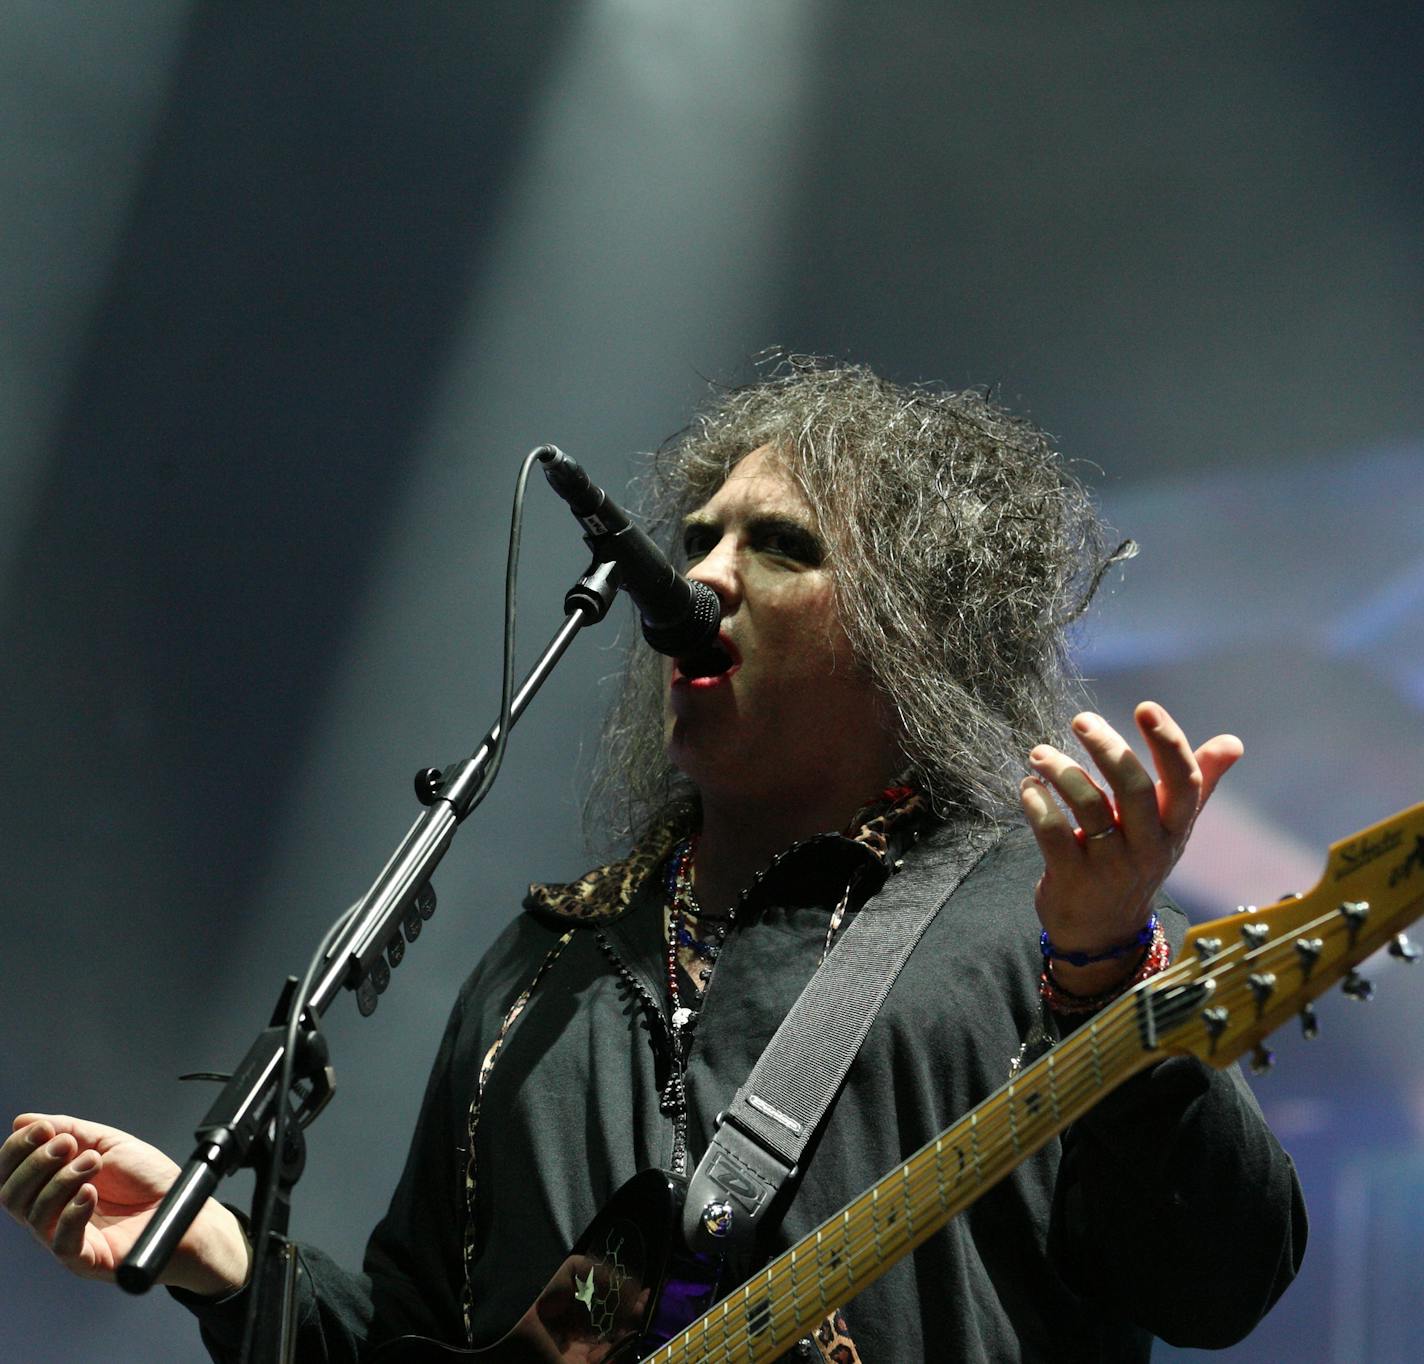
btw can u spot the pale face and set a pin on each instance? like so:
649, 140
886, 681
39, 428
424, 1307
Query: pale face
794, 718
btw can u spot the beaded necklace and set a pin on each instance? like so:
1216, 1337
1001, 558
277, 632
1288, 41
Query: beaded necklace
683, 910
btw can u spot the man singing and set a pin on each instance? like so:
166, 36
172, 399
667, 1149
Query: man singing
898, 569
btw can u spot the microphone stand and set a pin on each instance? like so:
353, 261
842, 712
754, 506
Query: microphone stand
367, 942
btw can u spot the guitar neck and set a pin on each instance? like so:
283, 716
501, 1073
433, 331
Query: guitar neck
1239, 978
788, 1298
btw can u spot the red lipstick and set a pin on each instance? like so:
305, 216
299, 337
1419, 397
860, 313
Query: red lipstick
709, 667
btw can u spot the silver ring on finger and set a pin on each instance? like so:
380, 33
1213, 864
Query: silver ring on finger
1101, 833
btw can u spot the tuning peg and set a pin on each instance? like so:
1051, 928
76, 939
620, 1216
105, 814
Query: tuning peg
1309, 1024
1262, 1060
1405, 950
1255, 935
1309, 950
1207, 948
1215, 1019
1354, 912
1357, 987
1261, 983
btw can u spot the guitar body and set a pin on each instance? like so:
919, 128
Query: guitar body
627, 1287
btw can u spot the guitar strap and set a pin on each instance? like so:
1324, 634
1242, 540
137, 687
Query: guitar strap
760, 1138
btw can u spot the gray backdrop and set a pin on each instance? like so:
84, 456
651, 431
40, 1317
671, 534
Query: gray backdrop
286, 293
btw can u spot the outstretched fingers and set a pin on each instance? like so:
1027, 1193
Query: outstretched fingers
1134, 792
28, 1159
1151, 812
1085, 799
1215, 758
1185, 777
1123, 800
1051, 827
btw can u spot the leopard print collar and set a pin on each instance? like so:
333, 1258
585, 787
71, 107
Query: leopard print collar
604, 893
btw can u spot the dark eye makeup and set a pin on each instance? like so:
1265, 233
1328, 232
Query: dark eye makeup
788, 538
771, 534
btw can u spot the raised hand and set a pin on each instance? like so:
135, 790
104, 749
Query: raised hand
1106, 855
86, 1191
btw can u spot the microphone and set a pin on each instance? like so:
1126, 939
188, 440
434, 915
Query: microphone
679, 616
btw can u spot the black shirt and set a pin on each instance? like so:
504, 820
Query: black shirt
1169, 1210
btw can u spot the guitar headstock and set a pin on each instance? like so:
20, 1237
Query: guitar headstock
1240, 977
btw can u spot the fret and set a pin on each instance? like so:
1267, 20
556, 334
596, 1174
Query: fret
771, 1308
960, 1169
939, 1172
793, 1284
974, 1146
757, 1316
829, 1255
821, 1281
906, 1194
1013, 1116
820, 1272
1097, 1055
791, 1289
1051, 1070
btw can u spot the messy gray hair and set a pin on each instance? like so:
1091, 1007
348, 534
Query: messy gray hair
960, 549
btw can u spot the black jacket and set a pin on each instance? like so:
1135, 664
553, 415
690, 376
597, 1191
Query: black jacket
1169, 1210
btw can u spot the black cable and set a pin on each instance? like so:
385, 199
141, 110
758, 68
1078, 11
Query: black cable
266, 1200
511, 574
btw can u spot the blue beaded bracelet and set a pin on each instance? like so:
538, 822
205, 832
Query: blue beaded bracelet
1144, 936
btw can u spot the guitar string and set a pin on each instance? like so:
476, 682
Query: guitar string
921, 1188
1280, 953
918, 1203
922, 1169
919, 1183
907, 1186
857, 1232
913, 1210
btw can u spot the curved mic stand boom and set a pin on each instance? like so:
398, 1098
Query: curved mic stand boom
368, 940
